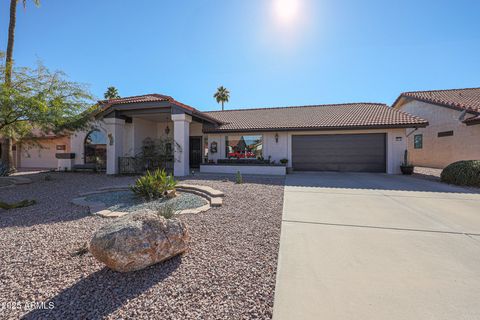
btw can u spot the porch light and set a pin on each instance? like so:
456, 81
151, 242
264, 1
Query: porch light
167, 130
276, 137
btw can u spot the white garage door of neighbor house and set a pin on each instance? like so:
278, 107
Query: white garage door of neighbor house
339, 152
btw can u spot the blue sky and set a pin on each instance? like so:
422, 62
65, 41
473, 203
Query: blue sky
266, 52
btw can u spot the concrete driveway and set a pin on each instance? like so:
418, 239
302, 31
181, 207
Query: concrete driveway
374, 246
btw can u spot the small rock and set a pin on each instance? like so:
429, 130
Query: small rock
169, 194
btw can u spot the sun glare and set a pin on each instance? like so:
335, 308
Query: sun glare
286, 10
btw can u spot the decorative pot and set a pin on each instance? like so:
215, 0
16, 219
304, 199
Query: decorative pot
408, 170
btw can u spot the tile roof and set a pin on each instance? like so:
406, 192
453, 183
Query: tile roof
137, 99
317, 117
153, 97
461, 99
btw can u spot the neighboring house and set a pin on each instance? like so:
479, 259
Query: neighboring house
39, 152
453, 132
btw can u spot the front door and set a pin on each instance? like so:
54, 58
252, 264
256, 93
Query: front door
195, 152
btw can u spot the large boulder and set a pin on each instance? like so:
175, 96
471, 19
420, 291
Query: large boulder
138, 240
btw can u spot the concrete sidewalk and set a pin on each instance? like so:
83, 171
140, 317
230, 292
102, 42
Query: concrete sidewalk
374, 246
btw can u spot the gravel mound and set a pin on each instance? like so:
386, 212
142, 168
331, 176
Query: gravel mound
228, 273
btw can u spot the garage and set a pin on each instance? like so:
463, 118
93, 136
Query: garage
339, 152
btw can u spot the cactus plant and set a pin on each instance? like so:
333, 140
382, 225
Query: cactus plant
406, 167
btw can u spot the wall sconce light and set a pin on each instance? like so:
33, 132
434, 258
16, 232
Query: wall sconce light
167, 130
276, 137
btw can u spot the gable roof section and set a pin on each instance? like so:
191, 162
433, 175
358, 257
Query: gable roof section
460, 99
154, 97
316, 117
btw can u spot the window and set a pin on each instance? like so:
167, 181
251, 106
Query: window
243, 147
95, 148
418, 141
445, 134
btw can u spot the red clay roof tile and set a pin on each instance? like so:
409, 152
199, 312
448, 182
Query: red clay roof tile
317, 117
461, 99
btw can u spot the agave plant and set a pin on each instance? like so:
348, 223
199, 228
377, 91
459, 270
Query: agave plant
154, 185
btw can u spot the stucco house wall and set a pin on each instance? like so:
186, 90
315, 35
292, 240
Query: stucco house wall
396, 144
40, 153
438, 152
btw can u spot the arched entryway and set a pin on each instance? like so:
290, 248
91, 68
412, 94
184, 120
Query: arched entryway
96, 148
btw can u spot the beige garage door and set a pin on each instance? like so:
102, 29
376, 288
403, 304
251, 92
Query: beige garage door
35, 157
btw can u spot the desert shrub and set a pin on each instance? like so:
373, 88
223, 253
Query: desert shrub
15, 205
464, 173
238, 178
154, 185
3, 170
167, 211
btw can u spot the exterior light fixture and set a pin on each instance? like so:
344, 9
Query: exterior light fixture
167, 130
276, 137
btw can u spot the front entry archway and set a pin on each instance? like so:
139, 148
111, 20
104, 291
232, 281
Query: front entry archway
95, 149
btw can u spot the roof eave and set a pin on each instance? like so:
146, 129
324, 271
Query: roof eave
445, 105
368, 127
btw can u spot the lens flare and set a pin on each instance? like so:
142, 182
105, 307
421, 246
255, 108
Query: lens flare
286, 11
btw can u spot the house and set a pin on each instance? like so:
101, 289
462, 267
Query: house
453, 132
367, 137
359, 137
39, 152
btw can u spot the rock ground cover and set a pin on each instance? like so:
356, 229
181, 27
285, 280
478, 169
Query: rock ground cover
127, 201
228, 272
5, 182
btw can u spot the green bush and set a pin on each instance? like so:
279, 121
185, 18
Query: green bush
463, 173
154, 185
167, 211
238, 178
3, 170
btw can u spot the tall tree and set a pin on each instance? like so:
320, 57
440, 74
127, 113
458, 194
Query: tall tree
222, 95
11, 37
111, 93
7, 152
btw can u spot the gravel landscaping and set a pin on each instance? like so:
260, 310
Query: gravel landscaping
428, 173
5, 182
127, 201
228, 272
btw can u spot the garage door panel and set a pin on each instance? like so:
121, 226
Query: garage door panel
350, 152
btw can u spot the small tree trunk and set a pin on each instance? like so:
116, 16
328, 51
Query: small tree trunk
7, 154
222, 105
11, 40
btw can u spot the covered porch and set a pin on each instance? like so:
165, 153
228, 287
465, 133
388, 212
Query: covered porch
153, 131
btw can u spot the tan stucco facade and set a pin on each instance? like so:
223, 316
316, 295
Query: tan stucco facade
438, 152
40, 153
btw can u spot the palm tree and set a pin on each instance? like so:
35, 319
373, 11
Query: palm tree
7, 152
111, 93
11, 38
222, 95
